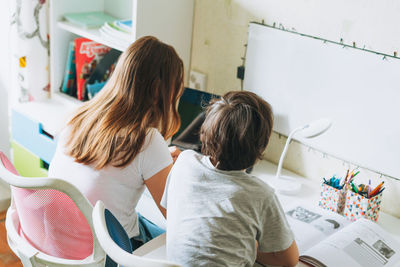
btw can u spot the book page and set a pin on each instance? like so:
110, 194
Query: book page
312, 224
363, 243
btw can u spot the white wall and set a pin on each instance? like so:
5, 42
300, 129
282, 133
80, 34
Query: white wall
220, 33
4, 77
220, 29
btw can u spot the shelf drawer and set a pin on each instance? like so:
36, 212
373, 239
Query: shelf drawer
26, 163
30, 134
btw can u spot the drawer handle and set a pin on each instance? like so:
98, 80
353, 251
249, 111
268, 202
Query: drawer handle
44, 165
43, 132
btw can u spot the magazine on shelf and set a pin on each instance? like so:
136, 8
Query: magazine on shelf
110, 32
328, 239
69, 82
88, 54
119, 26
102, 72
124, 24
88, 19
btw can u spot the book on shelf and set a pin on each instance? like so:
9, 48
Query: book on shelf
124, 24
69, 82
88, 54
102, 72
89, 19
118, 26
114, 34
326, 238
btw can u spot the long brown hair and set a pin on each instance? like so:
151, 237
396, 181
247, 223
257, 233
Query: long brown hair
142, 93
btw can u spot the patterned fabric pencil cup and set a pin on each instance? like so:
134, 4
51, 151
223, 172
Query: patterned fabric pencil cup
332, 199
358, 206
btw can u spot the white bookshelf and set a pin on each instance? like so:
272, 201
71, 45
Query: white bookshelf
92, 34
171, 21
53, 113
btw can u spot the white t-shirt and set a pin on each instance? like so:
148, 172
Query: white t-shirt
119, 188
214, 217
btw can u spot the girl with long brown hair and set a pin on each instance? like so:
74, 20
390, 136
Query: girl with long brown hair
114, 146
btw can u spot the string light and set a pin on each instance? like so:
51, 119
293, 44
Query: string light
282, 28
324, 155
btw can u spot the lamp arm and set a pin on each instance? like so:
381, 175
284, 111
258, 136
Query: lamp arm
291, 134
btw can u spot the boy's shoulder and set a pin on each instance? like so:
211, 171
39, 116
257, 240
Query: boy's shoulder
188, 160
192, 159
258, 187
188, 152
263, 185
188, 155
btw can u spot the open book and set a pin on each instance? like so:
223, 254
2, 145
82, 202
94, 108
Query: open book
328, 239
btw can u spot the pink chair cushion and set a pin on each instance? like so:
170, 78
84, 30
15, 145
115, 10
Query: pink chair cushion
50, 221
7, 163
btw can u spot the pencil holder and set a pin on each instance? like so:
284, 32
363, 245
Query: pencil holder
332, 198
358, 206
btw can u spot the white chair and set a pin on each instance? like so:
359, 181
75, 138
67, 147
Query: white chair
115, 242
40, 209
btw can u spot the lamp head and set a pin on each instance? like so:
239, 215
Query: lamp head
316, 128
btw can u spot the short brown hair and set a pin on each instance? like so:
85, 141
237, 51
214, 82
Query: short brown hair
236, 130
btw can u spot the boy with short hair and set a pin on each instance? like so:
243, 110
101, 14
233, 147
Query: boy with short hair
217, 214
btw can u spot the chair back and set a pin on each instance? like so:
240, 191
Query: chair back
117, 232
50, 216
105, 224
118, 235
51, 222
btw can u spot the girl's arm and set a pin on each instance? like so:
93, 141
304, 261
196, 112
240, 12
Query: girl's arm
156, 185
288, 257
174, 152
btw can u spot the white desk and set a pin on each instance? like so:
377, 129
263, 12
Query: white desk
265, 171
310, 193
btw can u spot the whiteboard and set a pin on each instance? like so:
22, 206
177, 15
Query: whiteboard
305, 79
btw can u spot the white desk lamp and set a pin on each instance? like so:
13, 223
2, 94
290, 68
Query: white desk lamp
287, 185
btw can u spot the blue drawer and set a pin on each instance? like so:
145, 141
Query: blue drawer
30, 134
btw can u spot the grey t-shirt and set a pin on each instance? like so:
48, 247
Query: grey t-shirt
214, 217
